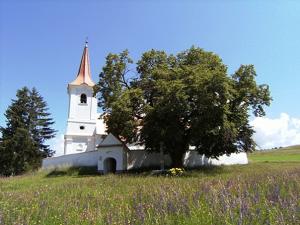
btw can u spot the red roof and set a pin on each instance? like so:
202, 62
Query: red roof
84, 73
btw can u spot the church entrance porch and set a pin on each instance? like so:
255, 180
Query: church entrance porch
112, 155
109, 165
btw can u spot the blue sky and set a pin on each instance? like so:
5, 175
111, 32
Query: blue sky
41, 43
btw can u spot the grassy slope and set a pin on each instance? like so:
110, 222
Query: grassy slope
265, 191
289, 154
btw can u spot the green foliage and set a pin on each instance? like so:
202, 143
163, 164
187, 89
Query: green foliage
40, 123
113, 79
27, 128
18, 153
169, 103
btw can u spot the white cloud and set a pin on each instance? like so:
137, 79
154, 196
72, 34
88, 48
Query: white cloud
57, 144
282, 131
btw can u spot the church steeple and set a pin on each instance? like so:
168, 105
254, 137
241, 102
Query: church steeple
82, 118
84, 72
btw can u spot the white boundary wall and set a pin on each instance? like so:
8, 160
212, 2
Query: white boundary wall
72, 160
193, 159
138, 159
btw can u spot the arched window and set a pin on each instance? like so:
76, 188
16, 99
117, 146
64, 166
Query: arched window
83, 98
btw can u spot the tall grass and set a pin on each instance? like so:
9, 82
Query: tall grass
255, 194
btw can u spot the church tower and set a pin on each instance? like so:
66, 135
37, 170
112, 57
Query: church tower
82, 117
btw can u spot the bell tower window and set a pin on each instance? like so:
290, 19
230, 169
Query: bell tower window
83, 98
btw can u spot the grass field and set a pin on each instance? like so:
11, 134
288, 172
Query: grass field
289, 154
267, 191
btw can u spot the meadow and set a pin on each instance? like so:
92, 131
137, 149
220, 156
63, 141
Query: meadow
267, 191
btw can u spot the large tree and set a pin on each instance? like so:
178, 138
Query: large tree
171, 103
28, 126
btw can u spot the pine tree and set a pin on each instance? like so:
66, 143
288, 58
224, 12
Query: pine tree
19, 153
28, 126
39, 123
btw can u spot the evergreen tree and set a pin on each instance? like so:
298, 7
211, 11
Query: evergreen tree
39, 123
22, 145
19, 153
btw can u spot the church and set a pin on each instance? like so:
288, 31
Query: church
86, 143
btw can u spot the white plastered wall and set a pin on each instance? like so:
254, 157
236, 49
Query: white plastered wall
77, 144
81, 125
193, 159
82, 111
136, 159
72, 160
141, 158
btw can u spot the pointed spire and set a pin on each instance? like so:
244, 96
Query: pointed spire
84, 73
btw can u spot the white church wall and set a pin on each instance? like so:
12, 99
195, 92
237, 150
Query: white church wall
82, 111
78, 144
73, 127
72, 160
81, 125
100, 126
94, 114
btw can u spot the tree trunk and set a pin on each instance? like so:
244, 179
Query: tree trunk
177, 160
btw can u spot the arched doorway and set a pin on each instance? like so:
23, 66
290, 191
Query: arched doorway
110, 165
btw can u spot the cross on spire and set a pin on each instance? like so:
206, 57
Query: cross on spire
86, 41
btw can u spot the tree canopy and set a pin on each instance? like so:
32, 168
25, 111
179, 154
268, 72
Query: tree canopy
28, 126
172, 102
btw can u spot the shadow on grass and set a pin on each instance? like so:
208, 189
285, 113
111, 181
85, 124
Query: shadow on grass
73, 171
189, 172
210, 171
141, 172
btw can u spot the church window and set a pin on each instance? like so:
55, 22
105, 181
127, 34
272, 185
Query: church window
83, 98
81, 127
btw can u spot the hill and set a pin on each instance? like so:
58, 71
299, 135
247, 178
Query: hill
266, 191
287, 154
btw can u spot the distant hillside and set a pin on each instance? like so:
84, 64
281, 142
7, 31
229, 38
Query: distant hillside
290, 154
